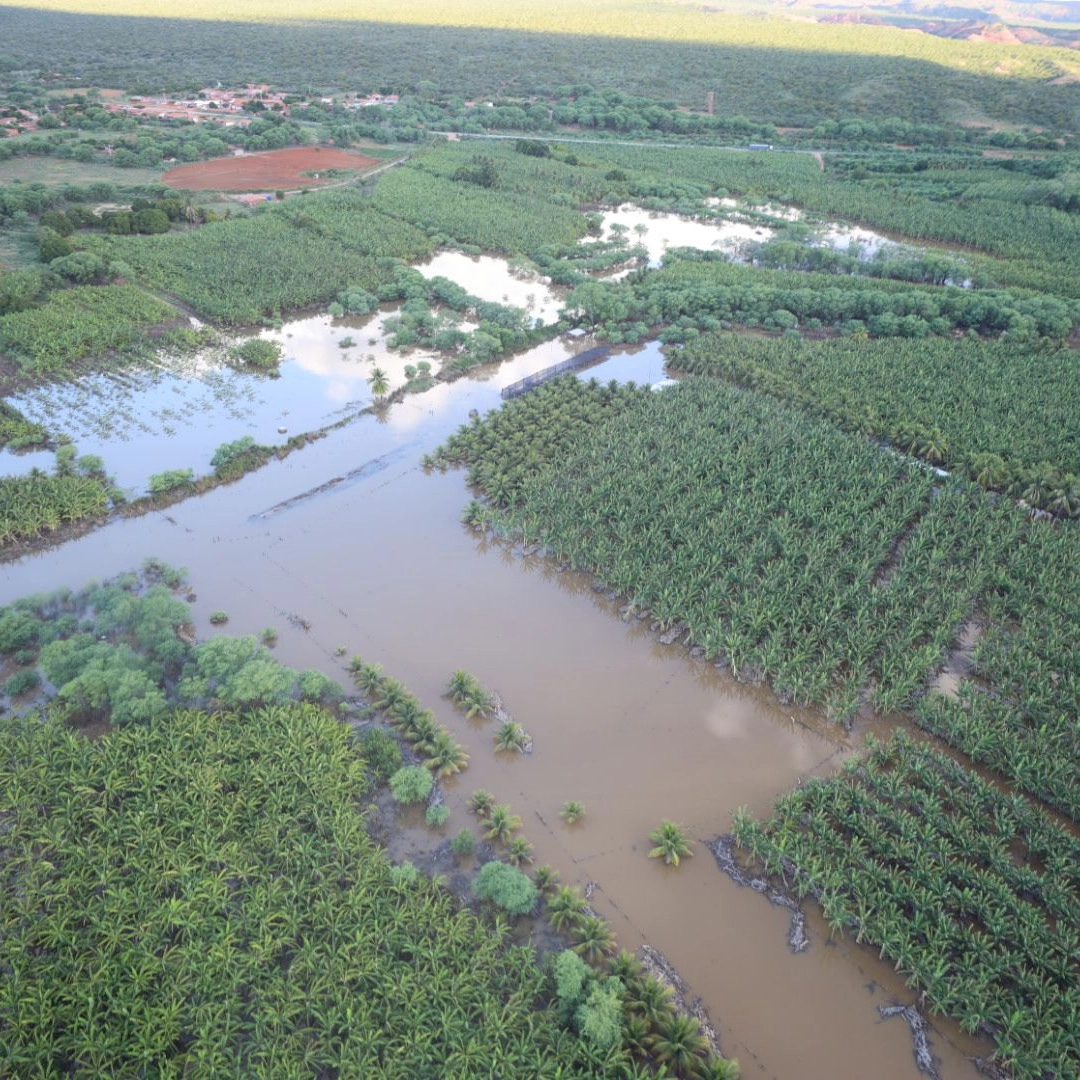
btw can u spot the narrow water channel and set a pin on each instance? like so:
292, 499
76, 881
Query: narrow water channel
378, 564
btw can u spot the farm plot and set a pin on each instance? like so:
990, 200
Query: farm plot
291, 168
1000, 412
973, 893
83, 321
791, 551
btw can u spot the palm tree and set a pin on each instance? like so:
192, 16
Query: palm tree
447, 756
379, 383
679, 1043
572, 811
652, 1000
502, 823
511, 736
672, 843
545, 878
481, 802
565, 907
518, 850
594, 938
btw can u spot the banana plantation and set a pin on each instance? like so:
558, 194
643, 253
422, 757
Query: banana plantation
972, 893
201, 897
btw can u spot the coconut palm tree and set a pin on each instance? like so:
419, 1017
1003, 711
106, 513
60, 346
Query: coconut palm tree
502, 823
379, 383
572, 811
518, 851
595, 939
481, 802
679, 1044
672, 843
566, 907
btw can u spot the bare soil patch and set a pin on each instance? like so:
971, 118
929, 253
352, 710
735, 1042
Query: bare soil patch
300, 166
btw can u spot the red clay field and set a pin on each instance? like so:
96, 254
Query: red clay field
273, 169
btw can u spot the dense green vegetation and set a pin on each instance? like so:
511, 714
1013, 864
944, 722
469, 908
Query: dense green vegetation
671, 52
40, 503
788, 549
1000, 412
206, 883
269, 263
972, 893
81, 321
697, 292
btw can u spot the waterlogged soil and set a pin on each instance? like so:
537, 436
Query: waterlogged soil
350, 546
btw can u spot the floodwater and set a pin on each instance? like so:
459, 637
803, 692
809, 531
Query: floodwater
734, 233
496, 281
353, 537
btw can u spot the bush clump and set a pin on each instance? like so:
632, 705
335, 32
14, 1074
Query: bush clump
506, 887
411, 784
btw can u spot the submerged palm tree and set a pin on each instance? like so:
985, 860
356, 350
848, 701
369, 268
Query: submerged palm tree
502, 823
566, 907
672, 843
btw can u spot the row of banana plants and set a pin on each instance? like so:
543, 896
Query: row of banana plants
199, 896
1016, 710
998, 412
974, 894
40, 503
790, 550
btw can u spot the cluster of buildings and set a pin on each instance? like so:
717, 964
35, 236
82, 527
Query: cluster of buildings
225, 107
15, 121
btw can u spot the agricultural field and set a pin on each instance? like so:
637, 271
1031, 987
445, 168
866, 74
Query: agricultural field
998, 412
972, 892
242, 843
273, 169
849, 509
79, 322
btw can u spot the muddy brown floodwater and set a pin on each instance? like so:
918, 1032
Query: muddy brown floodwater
379, 565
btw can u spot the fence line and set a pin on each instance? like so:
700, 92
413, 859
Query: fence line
531, 382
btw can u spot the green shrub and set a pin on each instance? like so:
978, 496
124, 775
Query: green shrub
506, 887
171, 480
464, 843
315, 686
381, 752
404, 875
218, 618
437, 816
258, 353
411, 784
21, 682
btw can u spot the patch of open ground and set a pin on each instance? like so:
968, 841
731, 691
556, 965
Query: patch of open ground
274, 169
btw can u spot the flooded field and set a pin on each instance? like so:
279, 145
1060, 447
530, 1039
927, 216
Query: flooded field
354, 539
350, 548
494, 279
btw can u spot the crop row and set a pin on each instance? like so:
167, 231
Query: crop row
77, 322
974, 894
999, 412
